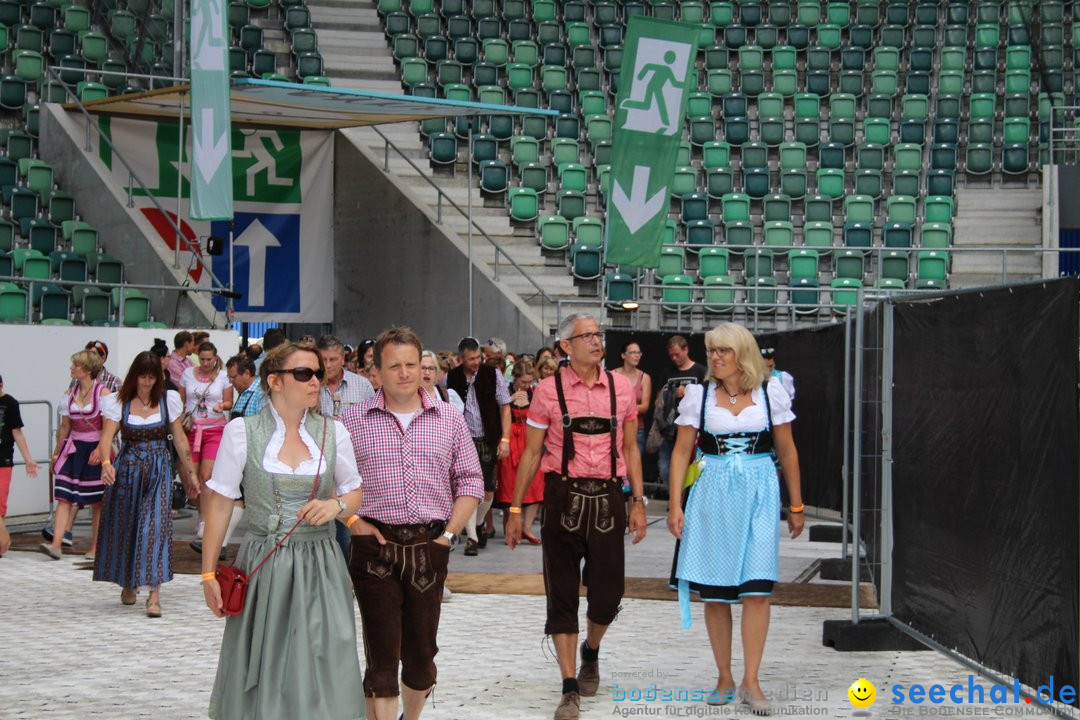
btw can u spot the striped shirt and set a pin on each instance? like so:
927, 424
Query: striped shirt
412, 475
353, 390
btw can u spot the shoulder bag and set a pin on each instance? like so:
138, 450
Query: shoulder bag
234, 581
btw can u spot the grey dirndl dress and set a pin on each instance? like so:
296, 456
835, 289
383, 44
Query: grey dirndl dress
292, 653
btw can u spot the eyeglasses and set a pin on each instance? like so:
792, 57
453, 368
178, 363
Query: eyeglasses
718, 351
633, 352
301, 374
588, 336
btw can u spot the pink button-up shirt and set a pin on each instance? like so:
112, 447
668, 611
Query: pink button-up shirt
412, 476
592, 453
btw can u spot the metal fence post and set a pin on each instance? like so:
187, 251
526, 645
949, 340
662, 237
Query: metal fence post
888, 345
856, 456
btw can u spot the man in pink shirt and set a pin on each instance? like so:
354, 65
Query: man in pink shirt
184, 344
578, 422
422, 481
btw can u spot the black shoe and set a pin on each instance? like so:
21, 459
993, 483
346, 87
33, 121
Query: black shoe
471, 548
482, 542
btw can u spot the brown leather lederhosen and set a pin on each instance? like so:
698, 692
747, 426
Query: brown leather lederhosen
584, 519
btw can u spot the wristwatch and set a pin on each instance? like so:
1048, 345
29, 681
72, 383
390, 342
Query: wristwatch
341, 505
450, 537
641, 499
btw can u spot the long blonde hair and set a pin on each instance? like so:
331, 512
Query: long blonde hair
752, 368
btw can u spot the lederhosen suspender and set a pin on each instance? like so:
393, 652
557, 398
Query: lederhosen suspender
586, 425
756, 442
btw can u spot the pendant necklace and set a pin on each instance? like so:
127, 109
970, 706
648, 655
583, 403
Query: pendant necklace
732, 399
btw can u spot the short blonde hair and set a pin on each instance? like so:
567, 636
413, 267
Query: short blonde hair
89, 361
747, 354
548, 363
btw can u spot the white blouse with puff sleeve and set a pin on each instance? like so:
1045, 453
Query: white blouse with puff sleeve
719, 420
232, 456
111, 409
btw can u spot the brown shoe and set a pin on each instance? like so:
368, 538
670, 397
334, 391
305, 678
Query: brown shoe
588, 677
127, 596
569, 707
471, 548
153, 609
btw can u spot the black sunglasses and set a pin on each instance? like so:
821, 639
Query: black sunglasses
301, 374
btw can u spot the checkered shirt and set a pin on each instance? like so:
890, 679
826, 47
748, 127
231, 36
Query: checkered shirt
353, 390
412, 476
250, 401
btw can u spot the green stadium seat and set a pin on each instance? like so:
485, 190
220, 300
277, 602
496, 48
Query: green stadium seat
718, 294
554, 233
13, 303
935, 235
803, 263
938, 209
894, 266
713, 261
818, 234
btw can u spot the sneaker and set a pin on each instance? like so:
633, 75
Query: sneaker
588, 677
569, 707
471, 548
47, 533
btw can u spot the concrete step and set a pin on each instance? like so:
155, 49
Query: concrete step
356, 55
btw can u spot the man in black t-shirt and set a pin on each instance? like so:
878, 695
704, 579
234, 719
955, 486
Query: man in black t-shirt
11, 434
684, 371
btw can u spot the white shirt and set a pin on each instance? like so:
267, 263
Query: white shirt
719, 420
111, 409
195, 390
232, 456
452, 397
79, 409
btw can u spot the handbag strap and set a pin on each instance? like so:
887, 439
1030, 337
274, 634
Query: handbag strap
314, 490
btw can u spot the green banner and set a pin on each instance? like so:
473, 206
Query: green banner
211, 195
649, 115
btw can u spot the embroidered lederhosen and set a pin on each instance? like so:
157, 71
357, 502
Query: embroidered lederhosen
584, 519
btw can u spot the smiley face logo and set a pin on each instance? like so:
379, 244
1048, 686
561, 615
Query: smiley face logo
862, 693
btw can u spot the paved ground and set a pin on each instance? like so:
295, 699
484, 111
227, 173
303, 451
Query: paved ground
71, 650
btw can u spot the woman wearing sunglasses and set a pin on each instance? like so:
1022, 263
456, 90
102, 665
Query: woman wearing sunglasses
291, 653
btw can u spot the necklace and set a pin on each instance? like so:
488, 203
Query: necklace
731, 398
146, 405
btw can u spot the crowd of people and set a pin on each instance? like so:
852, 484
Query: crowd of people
358, 468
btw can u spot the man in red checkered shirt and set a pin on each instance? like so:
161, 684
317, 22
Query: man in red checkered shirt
422, 481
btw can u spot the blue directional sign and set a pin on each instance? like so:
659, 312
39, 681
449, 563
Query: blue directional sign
266, 257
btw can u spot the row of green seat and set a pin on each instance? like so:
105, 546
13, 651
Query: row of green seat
99, 306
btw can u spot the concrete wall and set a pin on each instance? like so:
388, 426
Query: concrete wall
394, 265
122, 232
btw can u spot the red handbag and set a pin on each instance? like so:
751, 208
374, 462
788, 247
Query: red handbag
233, 581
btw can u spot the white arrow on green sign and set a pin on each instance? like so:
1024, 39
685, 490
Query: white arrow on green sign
649, 116
211, 123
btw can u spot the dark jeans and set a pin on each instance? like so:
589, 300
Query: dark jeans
584, 519
399, 588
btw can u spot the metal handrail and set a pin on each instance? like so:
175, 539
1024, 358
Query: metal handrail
31, 282
498, 248
131, 174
